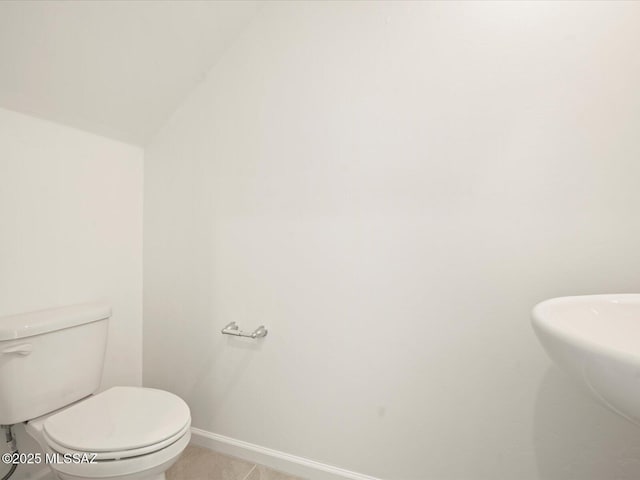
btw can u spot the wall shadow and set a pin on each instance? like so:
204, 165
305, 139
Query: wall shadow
577, 438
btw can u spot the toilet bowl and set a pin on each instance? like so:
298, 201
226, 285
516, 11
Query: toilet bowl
123, 432
131, 433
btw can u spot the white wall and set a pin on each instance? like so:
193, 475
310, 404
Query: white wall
390, 188
71, 229
119, 68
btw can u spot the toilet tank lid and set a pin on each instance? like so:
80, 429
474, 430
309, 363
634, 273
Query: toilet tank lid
49, 320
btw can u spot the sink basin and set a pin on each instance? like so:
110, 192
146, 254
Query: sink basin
596, 339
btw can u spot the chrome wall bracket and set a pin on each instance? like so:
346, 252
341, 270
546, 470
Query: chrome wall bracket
232, 329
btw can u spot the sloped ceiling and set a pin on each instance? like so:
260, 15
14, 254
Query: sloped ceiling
115, 68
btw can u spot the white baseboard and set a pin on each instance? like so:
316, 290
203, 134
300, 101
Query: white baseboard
284, 462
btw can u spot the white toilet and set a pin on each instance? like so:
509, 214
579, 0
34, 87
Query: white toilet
50, 368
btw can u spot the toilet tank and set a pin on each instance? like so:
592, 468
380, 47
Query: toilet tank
50, 358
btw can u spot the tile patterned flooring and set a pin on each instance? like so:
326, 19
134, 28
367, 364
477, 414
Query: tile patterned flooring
197, 463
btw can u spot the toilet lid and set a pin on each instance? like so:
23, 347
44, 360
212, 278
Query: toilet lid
121, 418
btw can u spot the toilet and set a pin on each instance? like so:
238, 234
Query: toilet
50, 369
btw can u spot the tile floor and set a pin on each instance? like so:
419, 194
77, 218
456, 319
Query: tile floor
197, 463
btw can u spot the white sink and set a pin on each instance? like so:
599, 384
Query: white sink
596, 339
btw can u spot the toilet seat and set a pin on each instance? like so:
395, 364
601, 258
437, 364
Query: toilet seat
117, 455
121, 422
